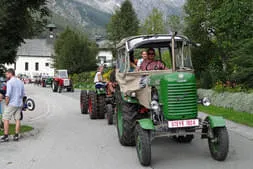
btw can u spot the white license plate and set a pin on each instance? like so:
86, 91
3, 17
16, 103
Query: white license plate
183, 123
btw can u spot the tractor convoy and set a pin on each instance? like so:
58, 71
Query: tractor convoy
158, 101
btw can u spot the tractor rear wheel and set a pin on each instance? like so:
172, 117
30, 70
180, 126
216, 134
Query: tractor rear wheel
101, 106
143, 145
219, 145
84, 102
127, 114
109, 114
92, 105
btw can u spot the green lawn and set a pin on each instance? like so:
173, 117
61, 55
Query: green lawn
230, 114
22, 130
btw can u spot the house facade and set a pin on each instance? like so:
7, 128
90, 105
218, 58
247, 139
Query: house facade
104, 56
34, 58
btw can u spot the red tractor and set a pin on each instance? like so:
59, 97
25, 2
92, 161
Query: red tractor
62, 81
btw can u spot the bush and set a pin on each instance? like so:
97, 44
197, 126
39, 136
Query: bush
239, 101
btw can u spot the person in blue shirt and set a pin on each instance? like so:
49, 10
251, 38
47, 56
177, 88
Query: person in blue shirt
14, 104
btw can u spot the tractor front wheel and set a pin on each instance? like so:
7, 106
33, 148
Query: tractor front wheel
143, 145
219, 144
54, 86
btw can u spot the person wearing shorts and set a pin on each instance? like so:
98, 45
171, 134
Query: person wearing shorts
14, 103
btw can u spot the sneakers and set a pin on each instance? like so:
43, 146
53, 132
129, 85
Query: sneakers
16, 137
4, 138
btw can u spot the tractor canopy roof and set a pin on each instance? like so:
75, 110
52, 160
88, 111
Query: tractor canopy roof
147, 41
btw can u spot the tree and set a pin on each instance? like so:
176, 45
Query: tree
75, 52
123, 23
243, 61
219, 26
175, 23
19, 19
154, 23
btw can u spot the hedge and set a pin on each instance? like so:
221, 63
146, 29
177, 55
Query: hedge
240, 101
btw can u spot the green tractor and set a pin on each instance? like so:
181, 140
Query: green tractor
46, 81
160, 98
93, 103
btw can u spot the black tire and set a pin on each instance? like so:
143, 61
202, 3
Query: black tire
143, 145
92, 105
60, 89
219, 146
30, 104
109, 114
101, 109
84, 102
54, 86
43, 83
184, 139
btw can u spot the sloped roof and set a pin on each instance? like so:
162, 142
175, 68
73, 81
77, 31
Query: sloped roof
36, 47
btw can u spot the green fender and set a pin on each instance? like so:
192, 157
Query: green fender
129, 99
101, 92
146, 124
216, 121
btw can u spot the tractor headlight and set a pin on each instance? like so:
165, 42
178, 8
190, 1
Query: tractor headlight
155, 105
206, 102
133, 94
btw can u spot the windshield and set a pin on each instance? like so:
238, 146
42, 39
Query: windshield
183, 57
63, 74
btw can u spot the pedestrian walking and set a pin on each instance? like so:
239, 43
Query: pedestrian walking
14, 103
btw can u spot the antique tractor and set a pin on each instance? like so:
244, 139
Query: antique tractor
97, 103
93, 103
161, 100
46, 81
62, 81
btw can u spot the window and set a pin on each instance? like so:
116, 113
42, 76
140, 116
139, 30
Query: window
46, 64
26, 66
36, 66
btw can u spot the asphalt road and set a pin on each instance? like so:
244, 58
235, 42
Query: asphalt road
69, 140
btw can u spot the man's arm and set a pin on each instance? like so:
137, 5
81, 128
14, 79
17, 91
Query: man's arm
8, 93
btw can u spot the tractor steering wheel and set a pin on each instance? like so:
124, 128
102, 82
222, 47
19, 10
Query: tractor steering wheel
162, 66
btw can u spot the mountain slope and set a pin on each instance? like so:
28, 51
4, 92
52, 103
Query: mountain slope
95, 14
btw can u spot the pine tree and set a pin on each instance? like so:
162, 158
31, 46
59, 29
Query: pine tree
154, 23
123, 23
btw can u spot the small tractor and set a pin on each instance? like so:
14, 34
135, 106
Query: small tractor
97, 103
46, 81
62, 81
161, 100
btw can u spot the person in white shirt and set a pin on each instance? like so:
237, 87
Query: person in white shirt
98, 80
144, 55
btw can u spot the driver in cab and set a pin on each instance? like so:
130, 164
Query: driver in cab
151, 63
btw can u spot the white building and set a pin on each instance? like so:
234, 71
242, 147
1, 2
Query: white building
105, 56
34, 58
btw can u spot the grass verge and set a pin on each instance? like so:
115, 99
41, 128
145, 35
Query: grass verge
23, 129
230, 114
